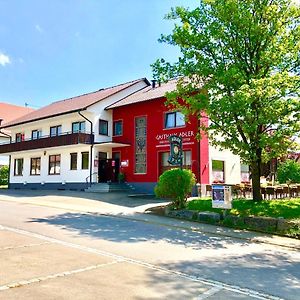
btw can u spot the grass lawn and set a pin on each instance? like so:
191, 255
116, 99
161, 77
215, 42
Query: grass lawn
288, 209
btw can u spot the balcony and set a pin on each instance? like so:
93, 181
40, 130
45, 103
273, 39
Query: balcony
64, 139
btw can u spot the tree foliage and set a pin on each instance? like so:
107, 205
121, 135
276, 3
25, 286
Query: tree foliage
4, 175
289, 172
239, 66
175, 184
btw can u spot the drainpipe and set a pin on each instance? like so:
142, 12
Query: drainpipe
92, 145
9, 162
199, 158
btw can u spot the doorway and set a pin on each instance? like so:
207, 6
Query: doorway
108, 169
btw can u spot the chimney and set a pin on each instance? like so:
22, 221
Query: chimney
153, 83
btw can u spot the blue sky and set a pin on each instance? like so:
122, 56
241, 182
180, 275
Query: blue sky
51, 50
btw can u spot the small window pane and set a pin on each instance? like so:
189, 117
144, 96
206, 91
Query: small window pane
73, 161
75, 127
35, 166
58, 130
84, 160
82, 126
103, 127
118, 130
170, 120
18, 167
54, 164
179, 119
218, 173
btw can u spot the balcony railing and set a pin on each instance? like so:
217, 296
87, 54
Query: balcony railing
64, 139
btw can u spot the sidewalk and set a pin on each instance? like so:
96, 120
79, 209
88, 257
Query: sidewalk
120, 206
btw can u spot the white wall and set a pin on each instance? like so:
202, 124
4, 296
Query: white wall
4, 158
232, 164
98, 111
66, 174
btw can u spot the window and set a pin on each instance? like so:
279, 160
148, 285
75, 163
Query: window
164, 164
245, 174
18, 167
20, 137
73, 165
84, 160
174, 119
103, 127
118, 128
140, 145
36, 134
78, 127
218, 171
55, 130
54, 164
35, 166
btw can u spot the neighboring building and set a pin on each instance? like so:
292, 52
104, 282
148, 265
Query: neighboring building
9, 112
94, 137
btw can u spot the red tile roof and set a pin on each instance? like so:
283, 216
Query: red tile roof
147, 93
9, 112
73, 104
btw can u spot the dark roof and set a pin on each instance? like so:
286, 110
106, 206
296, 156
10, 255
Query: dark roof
70, 105
147, 93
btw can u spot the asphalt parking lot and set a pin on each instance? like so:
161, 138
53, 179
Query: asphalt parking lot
34, 268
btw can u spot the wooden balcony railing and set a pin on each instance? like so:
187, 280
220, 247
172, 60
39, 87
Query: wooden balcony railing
64, 139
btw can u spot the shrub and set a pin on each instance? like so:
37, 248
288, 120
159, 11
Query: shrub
4, 175
289, 171
175, 184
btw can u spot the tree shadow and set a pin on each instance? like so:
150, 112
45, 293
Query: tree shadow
116, 198
272, 273
117, 229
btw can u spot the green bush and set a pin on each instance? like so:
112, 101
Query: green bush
4, 175
175, 184
289, 172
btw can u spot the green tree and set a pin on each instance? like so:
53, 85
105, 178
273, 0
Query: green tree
289, 172
175, 184
4, 175
238, 67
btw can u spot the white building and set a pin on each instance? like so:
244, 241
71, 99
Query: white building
9, 112
58, 146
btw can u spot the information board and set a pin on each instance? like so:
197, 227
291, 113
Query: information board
221, 196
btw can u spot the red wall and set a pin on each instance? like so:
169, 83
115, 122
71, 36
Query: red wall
157, 140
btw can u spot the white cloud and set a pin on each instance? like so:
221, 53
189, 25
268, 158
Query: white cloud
39, 28
4, 59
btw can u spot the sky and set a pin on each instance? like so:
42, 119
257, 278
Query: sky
52, 50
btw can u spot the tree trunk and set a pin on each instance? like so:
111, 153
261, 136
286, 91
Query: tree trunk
255, 172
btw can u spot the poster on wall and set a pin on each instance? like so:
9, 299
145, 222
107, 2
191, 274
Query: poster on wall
125, 163
221, 196
175, 157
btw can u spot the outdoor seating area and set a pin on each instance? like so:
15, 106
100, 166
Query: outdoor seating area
279, 191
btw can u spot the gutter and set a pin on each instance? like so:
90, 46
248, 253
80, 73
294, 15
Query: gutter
92, 145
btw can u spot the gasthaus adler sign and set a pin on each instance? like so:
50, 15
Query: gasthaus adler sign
175, 157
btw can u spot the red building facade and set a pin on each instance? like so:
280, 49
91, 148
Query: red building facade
145, 123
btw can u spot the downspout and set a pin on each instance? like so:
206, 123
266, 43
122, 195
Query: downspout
199, 158
9, 162
92, 145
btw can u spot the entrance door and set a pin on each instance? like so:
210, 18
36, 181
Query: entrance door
108, 170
